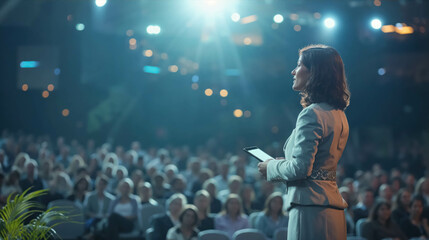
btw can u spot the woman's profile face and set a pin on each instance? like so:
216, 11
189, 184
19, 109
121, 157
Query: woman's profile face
301, 74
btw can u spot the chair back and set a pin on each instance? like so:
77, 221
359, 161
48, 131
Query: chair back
248, 234
280, 234
359, 225
212, 235
147, 212
253, 217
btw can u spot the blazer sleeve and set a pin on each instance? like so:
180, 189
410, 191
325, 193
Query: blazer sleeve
308, 134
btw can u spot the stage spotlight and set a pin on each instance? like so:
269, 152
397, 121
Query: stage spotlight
80, 26
100, 3
235, 17
329, 22
376, 23
153, 29
208, 6
278, 18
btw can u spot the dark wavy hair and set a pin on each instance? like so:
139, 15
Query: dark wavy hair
327, 82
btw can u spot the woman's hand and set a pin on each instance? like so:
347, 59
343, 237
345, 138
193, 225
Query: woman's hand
262, 168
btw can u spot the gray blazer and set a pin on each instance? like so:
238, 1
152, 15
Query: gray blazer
91, 203
315, 145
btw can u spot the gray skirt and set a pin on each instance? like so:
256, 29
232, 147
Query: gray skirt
316, 222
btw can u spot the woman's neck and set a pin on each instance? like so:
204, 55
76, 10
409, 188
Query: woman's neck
186, 230
383, 222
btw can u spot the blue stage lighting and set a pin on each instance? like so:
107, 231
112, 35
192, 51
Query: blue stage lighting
29, 64
151, 69
195, 78
80, 26
232, 72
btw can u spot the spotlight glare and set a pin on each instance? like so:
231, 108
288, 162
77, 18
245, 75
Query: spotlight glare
153, 29
278, 18
376, 23
329, 22
235, 17
100, 3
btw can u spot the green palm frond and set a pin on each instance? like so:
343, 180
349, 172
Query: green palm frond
20, 208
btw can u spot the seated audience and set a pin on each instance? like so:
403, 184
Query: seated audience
231, 218
380, 224
202, 202
161, 223
272, 217
415, 226
186, 229
123, 210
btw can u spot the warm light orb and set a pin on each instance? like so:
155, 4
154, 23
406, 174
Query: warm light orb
45, 94
51, 87
65, 112
173, 68
148, 53
238, 113
208, 92
223, 93
24, 87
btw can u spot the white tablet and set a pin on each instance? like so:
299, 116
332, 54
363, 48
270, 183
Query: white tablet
257, 153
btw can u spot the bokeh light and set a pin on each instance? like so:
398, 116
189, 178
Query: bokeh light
194, 86
173, 68
297, 28
329, 22
148, 53
45, 94
278, 18
235, 17
24, 87
376, 23
80, 26
381, 71
100, 3
238, 113
247, 114
65, 112
133, 41
223, 93
208, 92
247, 41
51, 87
153, 29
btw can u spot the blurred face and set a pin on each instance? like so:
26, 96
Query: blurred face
368, 199
383, 213
119, 174
233, 206
189, 218
276, 204
405, 198
416, 208
124, 189
146, 193
425, 187
101, 185
301, 74
202, 203
175, 206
